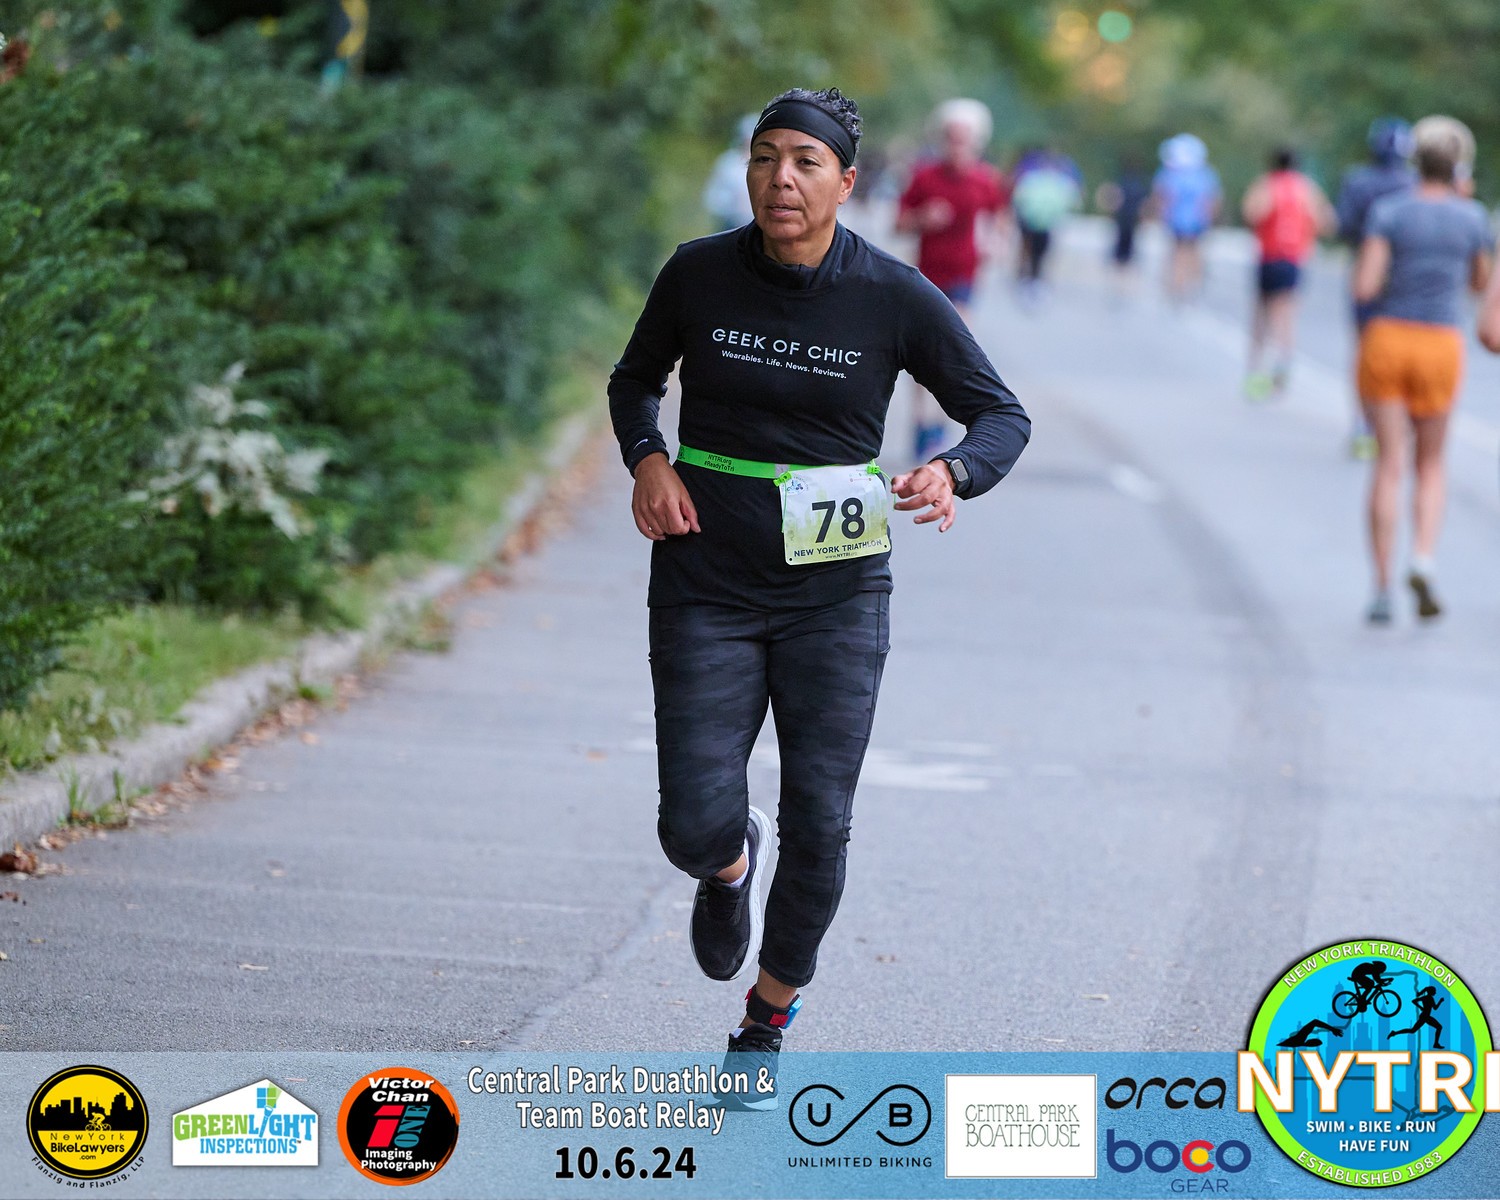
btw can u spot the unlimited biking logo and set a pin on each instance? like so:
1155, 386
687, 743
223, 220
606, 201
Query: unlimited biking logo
1369, 1063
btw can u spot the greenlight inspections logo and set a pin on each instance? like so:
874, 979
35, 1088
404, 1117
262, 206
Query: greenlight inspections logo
258, 1125
1369, 1063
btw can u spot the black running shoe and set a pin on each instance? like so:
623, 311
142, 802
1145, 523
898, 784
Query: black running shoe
1427, 601
754, 1052
726, 924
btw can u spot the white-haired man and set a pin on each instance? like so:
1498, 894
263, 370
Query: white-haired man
942, 206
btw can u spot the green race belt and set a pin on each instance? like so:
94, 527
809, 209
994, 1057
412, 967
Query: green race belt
748, 467
734, 466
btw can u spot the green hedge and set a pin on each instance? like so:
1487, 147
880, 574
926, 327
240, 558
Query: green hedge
396, 266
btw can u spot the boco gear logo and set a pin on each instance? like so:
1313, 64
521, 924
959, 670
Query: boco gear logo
398, 1126
1369, 1063
87, 1123
820, 1115
1199, 1156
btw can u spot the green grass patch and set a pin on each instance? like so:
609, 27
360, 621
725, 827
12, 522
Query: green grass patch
130, 669
141, 666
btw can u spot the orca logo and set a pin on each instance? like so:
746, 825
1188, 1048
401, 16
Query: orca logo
902, 1112
1208, 1094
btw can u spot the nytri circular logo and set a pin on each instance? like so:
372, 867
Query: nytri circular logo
1369, 1063
87, 1123
398, 1126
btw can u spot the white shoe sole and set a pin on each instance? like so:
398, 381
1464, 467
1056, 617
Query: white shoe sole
765, 833
763, 830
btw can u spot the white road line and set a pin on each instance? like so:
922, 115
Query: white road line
1135, 483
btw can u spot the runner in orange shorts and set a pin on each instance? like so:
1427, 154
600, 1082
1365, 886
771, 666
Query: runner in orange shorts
1421, 247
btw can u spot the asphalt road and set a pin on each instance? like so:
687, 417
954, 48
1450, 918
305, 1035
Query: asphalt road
1137, 753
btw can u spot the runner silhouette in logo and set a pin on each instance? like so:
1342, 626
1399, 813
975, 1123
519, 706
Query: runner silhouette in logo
1303, 1036
1426, 1000
1371, 990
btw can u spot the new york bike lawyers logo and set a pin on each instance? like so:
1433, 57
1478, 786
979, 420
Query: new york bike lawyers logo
398, 1126
1369, 1063
87, 1123
258, 1125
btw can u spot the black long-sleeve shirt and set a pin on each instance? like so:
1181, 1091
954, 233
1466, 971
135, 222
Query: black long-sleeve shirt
790, 365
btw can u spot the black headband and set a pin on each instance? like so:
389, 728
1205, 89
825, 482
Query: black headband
810, 119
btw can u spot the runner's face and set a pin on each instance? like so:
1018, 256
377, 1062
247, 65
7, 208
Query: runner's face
796, 185
960, 146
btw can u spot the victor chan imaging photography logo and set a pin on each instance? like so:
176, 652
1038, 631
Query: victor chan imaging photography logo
1369, 1063
1022, 1126
258, 1125
87, 1123
398, 1126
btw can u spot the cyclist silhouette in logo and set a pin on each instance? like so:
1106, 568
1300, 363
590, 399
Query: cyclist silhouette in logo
1426, 1000
1372, 989
1303, 1036
97, 1123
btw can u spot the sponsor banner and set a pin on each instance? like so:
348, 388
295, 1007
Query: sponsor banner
258, 1125
1101, 1125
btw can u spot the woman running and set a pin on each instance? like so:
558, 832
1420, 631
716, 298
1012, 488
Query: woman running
1287, 211
770, 577
1420, 250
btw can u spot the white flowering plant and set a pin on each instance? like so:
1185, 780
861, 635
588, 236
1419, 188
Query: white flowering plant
229, 468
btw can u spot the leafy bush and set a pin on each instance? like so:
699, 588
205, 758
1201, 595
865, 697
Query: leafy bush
75, 424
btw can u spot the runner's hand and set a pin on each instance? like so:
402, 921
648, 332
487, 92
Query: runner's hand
936, 215
930, 484
660, 503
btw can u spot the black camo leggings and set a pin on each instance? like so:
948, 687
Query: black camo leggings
715, 671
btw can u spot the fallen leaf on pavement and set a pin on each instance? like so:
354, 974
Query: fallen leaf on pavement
15, 896
4, 957
22, 861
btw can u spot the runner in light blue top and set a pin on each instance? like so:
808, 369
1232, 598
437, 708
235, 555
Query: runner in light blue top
1186, 196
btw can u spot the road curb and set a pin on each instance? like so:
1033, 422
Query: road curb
34, 802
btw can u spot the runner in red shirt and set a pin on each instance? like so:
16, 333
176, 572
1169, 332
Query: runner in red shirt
1287, 211
942, 205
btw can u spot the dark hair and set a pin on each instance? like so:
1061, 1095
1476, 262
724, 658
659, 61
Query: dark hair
830, 100
1436, 163
1283, 158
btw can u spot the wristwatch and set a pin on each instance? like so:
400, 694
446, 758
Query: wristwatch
959, 471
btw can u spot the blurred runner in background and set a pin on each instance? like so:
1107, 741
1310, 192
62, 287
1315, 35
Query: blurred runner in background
1420, 250
724, 196
1489, 314
942, 206
1186, 196
1388, 171
1124, 199
1047, 188
1287, 211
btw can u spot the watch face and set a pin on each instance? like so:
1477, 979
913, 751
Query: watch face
960, 472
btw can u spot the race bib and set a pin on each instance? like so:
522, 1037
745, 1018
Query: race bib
833, 513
